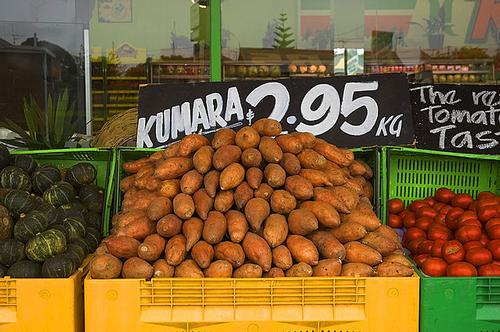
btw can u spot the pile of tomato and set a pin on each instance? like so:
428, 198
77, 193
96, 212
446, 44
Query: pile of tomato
451, 234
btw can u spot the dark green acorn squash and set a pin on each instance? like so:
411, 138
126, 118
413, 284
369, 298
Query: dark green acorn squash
25, 269
31, 224
25, 162
93, 238
43, 177
92, 197
93, 219
83, 244
59, 193
76, 253
80, 174
15, 178
73, 209
4, 157
11, 251
6, 223
60, 266
75, 228
45, 245
3, 271
18, 201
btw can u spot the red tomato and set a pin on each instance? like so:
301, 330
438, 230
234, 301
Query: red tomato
444, 195
470, 222
403, 213
395, 205
438, 231
472, 244
453, 251
415, 205
468, 233
494, 232
424, 223
462, 200
414, 233
438, 206
426, 212
434, 267
444, 209
485, 195
430, 201
425, 247
492, 222
437, 247
489, 270
413, 245
395, 221
486, 213
487, 202
440, 218
409, 220
478, 256
484, 239
494, 247
467, 215
420, 259
473, 206
452, 217
461, 269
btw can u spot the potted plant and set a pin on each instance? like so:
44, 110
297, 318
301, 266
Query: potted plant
436, 28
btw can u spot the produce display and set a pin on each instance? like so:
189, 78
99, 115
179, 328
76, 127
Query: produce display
50, 218
451, 234
247, 205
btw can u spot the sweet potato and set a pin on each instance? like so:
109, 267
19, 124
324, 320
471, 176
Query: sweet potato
237, 225
302, 249
162, 269
242, 195
156, 156
138, 229
316, 177
270, 150
380, 243
102, 249
137, 268
282, 257
290, 164
388, 232
147, 170
231, 252
392, 269
257, 251
311, 159
214, 228
329, 267
289, 144
170, 188
138, 200
183, 206
251, 158
342, 199
328, 246
147, 182
398, 258
335, 176
275, 175
224, 136
224, 201
190, 144
105, 267
356, 168
158, 208
302, 222
188, 269
169, 226
306, 139
274, 272
203, 203
355, 184
300, 269
231, 176
254, 177
256, 211
202, 253
202, 159
324, 212
219, 269
349, 231
211, 182
172, 168
192, 229
172, 150
368, 219
191, 182
341, 157
264, 191
367, 191
267, 127
282, 202
226, 155
300, 187
123, 219
248, 270
275, 230
175, 250
357, 270
246, 138
127, 182
356, 252
133, 167
151, 248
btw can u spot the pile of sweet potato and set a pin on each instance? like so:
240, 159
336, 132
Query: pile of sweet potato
247, 205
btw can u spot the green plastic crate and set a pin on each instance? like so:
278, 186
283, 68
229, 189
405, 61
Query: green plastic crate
102, 159
446, 303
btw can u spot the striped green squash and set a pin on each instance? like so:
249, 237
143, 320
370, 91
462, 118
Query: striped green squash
45, 245
92, 197
83, 244
81, 173
30, 225
75, 228
43, 177
59, 193
25, 269
25, 162
11, 251
60, 266
93, 219
93, 238
18, 201
15, 178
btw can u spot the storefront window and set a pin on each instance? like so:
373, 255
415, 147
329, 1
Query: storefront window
137, 42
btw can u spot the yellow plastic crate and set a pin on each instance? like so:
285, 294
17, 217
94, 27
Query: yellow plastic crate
43, 305
281, 304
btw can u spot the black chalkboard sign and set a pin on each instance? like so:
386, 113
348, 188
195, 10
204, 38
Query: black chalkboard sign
349, 111
457, 117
